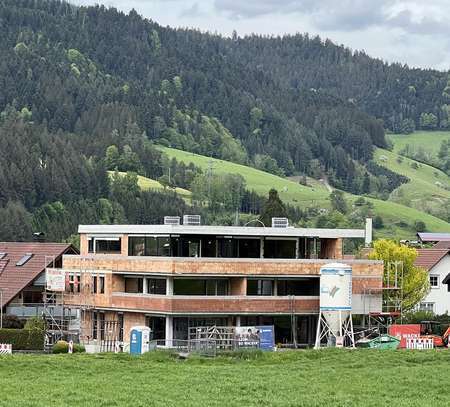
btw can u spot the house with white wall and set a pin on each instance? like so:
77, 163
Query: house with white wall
437, 262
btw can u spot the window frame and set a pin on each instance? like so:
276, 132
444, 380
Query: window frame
434, 286
424, 306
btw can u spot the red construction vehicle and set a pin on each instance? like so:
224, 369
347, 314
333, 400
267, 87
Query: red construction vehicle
433, 329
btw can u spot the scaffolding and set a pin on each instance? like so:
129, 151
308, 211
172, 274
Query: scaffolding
57, 319
392, 299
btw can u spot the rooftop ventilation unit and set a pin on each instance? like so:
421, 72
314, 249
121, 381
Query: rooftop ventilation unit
172, 220
280, 222
191, 220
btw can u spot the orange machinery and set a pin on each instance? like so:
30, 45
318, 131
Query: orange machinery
431, 329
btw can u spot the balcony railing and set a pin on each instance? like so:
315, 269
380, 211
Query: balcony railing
32, 310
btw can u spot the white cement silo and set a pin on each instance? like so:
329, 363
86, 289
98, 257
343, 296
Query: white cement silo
335, 320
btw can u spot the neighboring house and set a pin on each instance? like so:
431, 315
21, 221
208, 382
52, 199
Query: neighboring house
441, 238
22, 274
437, 262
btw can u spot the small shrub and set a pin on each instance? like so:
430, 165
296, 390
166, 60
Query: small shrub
61, 347
78, 348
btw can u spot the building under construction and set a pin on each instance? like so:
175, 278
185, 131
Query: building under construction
175, 277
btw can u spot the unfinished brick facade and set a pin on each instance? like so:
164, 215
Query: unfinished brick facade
126, 278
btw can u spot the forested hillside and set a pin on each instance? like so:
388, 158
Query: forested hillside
86, 90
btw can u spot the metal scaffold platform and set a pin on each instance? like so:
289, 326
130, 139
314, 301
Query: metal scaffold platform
392, 300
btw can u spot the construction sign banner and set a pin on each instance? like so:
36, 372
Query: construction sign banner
404, 332
256, 336
55, 279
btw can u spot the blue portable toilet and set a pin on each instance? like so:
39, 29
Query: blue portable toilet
139, 340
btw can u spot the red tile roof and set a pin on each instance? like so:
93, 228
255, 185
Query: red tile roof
442, 245
14, 279
433, 237
428, 258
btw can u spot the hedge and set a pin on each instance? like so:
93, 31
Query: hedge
23, 339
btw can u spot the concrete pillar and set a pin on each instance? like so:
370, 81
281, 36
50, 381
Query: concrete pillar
238, 320
261, 248
275, 287
83, 245
145, 286
297, 248
169, 286
169, 330
124, 245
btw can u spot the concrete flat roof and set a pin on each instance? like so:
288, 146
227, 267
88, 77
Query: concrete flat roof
220, 231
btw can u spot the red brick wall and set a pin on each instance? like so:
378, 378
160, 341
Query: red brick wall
131, 319
219, 305
238, 286
213, 266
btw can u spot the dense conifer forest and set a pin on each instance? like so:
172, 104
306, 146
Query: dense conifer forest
85, 90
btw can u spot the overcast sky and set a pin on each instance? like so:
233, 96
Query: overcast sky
415, 32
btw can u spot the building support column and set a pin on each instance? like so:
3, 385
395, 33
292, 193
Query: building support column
238, 320
145, 286
169, 286
169, 331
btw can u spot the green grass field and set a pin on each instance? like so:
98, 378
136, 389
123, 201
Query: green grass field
260, 181
292, 378
428, 187
147, 183
428, 141
393, 214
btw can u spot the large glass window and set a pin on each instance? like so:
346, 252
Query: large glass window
249, 248
186, 286
156, 286
279, 249
163, 246
209, 247
90, 245
190, 247
298, 287
228, 248
216, 287
105, 246
259, 287
149, 246
136, 246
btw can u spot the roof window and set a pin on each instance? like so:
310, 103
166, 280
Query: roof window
24, 259
2, 255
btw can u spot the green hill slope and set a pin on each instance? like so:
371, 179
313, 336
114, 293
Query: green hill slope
398, 219
428, 187
426, 141
260, 181
147, 183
